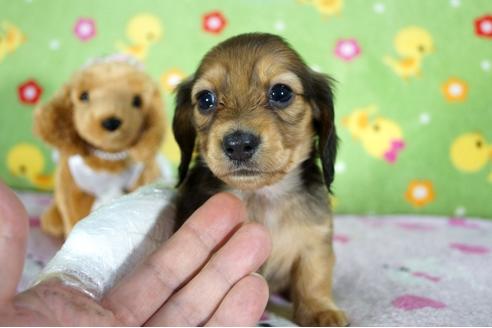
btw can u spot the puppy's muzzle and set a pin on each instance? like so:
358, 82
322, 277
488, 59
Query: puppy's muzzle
111, 124
240, 146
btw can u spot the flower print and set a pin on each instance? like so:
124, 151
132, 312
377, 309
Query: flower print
85, 29
347, 49
214, 22
170, 79
483, 26
455, 90
420, 192
29, 92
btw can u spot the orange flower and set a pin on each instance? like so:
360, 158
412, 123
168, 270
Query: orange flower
171, 79
455, 90
420, 192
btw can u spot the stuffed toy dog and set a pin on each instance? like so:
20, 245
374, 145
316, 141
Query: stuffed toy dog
107, 125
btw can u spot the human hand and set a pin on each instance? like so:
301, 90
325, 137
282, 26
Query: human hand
201, 276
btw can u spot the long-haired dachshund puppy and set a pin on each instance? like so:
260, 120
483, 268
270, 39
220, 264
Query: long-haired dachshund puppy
259, 117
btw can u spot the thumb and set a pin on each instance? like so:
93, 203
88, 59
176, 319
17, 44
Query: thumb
14, 228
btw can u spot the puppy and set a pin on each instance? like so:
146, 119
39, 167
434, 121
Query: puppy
259, 117
107, 125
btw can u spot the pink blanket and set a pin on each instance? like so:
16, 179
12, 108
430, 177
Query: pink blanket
391, 271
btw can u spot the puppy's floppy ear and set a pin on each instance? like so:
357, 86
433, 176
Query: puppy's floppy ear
324, 124
53, 122
183, 129
147, 146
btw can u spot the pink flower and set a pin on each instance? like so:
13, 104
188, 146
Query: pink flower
347, 49
29, 92
483, 26
214, 22
85, 29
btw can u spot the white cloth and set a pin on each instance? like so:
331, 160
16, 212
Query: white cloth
100, 183
104, 185
113, 240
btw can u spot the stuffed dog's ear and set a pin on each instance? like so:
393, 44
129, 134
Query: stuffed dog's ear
150, 141
183, 129
53, 122
324, 124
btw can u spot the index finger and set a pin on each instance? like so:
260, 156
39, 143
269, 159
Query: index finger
143, 292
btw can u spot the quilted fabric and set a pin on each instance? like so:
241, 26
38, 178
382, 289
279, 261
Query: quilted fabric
390, 271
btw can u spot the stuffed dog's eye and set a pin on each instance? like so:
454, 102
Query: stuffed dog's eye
280, 95
207, 101
137, 101
84, 96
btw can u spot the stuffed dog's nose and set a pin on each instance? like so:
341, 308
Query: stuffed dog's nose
111, 124
240, 145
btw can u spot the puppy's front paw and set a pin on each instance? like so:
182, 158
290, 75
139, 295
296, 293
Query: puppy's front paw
316, 316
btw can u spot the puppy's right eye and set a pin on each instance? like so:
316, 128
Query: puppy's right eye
207, 102
280, 95
84, 96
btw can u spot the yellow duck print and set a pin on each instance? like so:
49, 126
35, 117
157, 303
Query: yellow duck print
11, 38
470, 153
26, 160
326, 7
412, 44
3, 47
381, 138
143, 31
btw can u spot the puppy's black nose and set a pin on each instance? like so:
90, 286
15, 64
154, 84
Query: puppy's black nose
111, 124
240, 145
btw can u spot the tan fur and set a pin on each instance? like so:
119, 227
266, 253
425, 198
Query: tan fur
302, 256
73, 127
294, 145
240, 74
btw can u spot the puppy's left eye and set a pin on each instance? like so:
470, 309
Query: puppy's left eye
137, 101
280, 95
207, 101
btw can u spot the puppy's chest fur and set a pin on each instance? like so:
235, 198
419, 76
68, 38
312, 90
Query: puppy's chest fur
295, 210
294, 217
